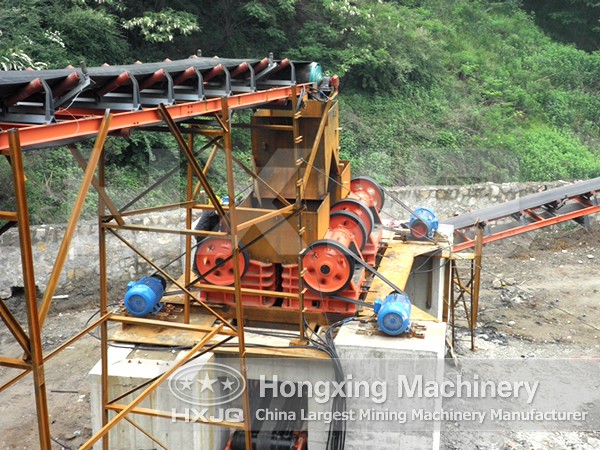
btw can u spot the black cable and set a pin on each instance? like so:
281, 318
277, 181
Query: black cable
336, 436
433, 269
87, 322
63, 446
194, 246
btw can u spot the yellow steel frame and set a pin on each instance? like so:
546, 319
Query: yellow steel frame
110, 222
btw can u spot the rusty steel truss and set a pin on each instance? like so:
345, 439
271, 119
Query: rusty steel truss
549, 207
168, 94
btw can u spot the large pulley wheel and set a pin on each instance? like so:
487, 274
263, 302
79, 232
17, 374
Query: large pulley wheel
352, 223
328, 266
213, 252
359, 209
372, 187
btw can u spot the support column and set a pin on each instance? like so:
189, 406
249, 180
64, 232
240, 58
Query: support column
35, 339
104, 396
239, 306
297, 140
187, 267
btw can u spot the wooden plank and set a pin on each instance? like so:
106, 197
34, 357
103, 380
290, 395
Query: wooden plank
147, 334
291, 352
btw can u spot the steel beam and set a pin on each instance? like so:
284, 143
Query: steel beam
149, 390
61, 257
148, 435
476, 282
248, 291
35, 335
13, 363
14, 327
165, 177
296, 113
135, 212
163, 230
8, 216
99, 189
103, 292
316, 143
55, 134
267, 216
194, 164
189, 209
225, 120
164, 324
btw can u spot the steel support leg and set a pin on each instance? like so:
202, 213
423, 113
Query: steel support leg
35, 338
239, 306
63, 251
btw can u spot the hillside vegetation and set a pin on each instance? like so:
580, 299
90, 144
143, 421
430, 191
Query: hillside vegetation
433, 91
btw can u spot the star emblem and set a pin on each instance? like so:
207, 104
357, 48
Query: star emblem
207, 383
227, 384
186, 383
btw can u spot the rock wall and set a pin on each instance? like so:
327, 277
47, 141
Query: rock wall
447, 201
79, 280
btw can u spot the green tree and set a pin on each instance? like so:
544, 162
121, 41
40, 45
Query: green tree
572, 21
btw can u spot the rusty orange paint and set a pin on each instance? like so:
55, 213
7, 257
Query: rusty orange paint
47, 135
529, 227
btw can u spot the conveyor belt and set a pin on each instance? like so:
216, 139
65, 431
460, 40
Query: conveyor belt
36, 97
56, 107
572, 202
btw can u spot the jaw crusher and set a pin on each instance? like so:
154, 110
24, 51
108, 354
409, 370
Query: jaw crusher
339, 229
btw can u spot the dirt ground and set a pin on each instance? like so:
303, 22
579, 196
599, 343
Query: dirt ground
540, 297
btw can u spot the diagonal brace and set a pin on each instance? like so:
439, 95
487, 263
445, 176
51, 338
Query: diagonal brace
100, 189
193, 163
150, 389
171, 279
15, 327
61, 257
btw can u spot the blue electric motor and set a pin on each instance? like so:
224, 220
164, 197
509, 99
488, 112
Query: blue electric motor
423, 224
393, 314
143, 297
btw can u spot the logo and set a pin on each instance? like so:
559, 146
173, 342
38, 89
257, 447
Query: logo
207, 384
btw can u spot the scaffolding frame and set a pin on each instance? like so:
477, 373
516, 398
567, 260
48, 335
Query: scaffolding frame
111, 222
463, 280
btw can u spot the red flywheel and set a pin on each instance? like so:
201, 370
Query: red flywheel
214, 262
